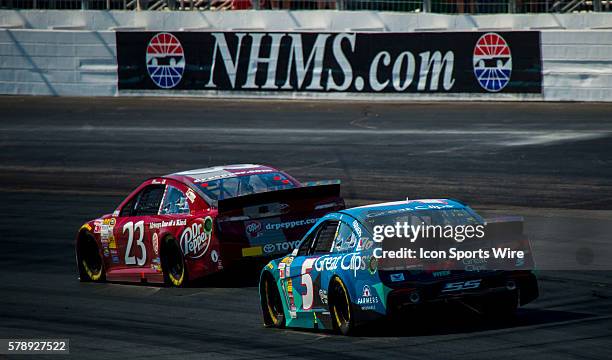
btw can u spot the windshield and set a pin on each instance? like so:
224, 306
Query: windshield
442, 217
244, 185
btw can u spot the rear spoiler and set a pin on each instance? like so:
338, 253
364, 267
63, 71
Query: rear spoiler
305, 192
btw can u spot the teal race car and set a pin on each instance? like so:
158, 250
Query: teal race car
336, 278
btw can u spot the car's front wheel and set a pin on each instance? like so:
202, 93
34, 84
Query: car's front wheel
271, 304
173, 264
340, 308
91, 266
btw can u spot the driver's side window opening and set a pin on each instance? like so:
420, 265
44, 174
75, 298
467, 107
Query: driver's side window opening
175, 202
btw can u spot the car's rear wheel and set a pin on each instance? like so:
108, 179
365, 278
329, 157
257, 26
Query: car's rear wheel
91, 266
340, 308
173, 264
271, 304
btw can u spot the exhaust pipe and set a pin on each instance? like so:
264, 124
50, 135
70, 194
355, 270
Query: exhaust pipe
511, 285
415, 297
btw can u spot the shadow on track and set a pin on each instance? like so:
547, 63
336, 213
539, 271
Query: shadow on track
244, 274
454, 320
448, 321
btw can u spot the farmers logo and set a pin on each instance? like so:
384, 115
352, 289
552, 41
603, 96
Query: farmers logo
195, 239
367, 300
165, 60
492, 62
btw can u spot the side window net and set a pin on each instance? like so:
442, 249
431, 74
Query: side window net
149, 200
325, 238
306, 244
345, 239
128, 208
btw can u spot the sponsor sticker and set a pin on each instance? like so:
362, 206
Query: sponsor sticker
155, 241
284, 246
441, 273
367, 300
353, 262
253, 228
112, 243
190, 195
281, 270
252, 251
195, 238
169, 223
268, 248
97, 226
397, 277
291, 224
323, 296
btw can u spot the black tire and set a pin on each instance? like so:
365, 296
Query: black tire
173, 264
340, 308
271, 304
91, 265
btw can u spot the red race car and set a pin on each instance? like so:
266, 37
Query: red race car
183, 226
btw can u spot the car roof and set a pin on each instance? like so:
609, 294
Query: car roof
382, 209
219, 172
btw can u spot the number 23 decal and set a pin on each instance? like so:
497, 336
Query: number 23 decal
132, 229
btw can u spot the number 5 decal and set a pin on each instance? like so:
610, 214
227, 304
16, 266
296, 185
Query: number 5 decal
132, 228
307, 282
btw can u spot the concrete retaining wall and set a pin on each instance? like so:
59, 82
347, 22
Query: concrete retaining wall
60, 58
577, 65
43, 62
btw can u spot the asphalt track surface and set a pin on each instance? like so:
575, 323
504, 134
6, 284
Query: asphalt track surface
64, 161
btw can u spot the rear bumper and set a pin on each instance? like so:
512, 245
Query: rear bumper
414, 294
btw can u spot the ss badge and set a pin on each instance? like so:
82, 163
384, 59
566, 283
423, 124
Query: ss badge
461, 285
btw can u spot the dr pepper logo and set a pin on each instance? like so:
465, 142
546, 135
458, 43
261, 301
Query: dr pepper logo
253, 228
196, 237
165, 60
492, 62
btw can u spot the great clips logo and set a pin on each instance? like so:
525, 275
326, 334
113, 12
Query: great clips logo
165, 60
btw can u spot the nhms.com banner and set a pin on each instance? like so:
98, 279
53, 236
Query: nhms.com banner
459, 62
